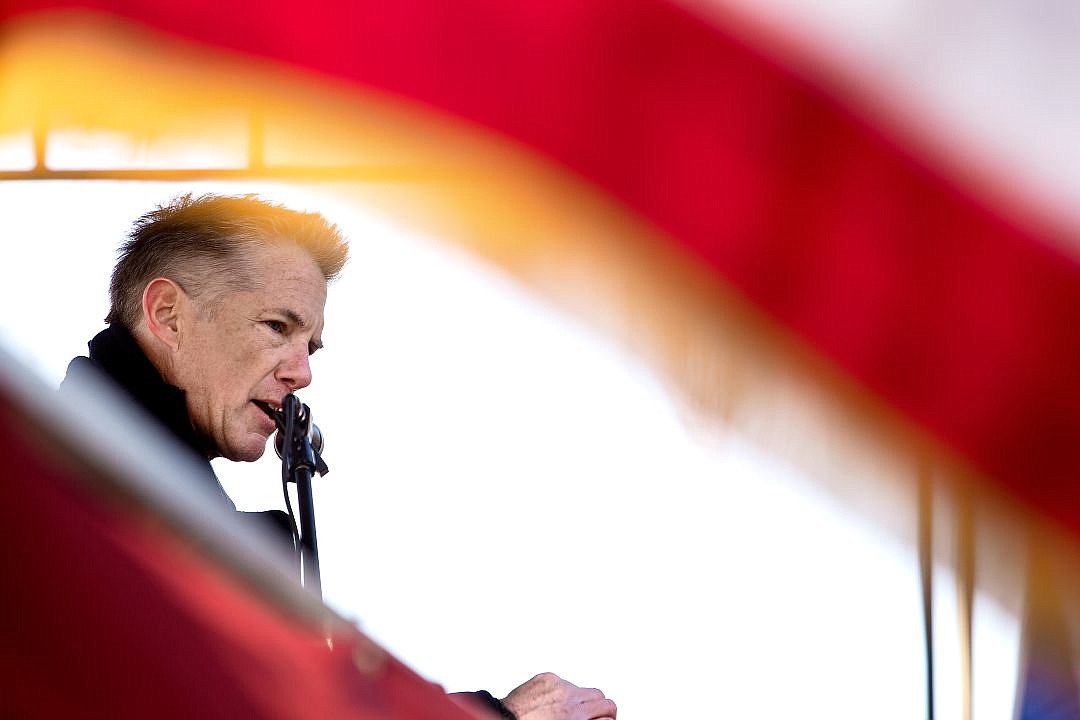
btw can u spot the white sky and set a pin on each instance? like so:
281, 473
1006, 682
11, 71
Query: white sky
511, 493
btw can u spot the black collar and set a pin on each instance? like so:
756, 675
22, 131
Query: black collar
115, 351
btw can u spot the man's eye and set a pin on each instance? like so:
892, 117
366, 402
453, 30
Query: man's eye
275, 325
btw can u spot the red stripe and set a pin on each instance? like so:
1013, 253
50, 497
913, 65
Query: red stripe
959, 317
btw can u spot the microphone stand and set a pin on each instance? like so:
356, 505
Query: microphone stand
298, 445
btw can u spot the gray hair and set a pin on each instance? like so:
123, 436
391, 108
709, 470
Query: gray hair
204, 244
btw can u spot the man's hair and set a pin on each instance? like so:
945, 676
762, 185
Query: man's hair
204, 244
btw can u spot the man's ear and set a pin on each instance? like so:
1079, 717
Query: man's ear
163, 302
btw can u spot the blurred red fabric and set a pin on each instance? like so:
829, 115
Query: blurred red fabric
109, 615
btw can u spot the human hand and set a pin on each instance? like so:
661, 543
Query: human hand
548, 697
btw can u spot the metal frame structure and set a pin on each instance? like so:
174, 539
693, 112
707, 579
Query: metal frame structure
256, 168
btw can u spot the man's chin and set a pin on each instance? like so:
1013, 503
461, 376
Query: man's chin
255, 454
248, 452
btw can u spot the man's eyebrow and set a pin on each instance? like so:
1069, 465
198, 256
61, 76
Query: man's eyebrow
293, 317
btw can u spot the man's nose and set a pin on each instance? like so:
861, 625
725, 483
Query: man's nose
295, 370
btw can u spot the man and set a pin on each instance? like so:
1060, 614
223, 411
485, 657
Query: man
216, 306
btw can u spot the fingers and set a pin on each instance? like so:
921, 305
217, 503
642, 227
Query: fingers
588, 703
597, 709
581, 695
548, 697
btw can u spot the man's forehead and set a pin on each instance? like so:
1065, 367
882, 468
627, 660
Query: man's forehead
281, 259
286, 281
289, 270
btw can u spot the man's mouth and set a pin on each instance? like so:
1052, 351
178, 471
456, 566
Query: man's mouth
269, 408
271, 411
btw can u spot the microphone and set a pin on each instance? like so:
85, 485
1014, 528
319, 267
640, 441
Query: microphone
310, 429
307, 428
298, 443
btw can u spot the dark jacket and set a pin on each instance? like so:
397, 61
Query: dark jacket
115, 353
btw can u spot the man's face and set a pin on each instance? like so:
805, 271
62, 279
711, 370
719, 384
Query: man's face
254, 347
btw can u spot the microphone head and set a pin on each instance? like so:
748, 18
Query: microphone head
302, 424
315, 437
